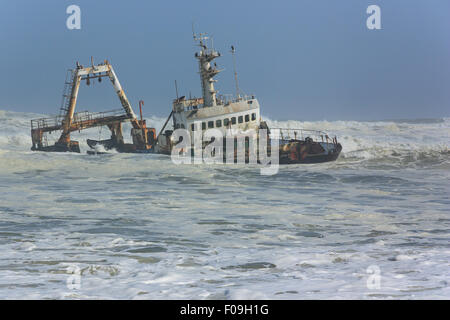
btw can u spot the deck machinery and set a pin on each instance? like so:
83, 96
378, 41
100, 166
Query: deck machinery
68, 121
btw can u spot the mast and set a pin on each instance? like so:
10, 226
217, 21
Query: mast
233, 51
207, 72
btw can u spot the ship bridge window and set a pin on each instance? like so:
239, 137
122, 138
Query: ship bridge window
253, 116
210, 124
218, 123
241, 119
249, 101
226, 122
203, 125
247, 118
233, 120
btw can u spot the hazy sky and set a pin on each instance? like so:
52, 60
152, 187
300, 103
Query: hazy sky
304, 60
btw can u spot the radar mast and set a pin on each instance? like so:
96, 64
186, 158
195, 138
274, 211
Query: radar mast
207, 72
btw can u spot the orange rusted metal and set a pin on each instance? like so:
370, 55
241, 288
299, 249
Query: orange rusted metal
143, 138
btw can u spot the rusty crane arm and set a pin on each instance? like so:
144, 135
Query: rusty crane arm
98, 71
71, 121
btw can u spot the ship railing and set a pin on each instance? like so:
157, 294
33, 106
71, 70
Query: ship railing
42, 123
226, 99
79, 117
299, 134
222, 99
86, 116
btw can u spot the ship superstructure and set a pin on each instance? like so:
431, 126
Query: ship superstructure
213, 110
229, 114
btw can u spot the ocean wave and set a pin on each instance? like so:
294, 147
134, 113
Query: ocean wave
397, 141
404, 142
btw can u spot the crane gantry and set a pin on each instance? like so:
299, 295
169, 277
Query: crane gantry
68, 121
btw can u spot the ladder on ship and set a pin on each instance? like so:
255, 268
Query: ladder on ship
67, 92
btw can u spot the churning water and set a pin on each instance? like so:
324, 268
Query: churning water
373, 224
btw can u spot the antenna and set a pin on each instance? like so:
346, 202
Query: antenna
193, 33
233, 51
176, 88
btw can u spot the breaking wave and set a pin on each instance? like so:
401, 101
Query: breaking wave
392, 142
402, 142
140, 227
